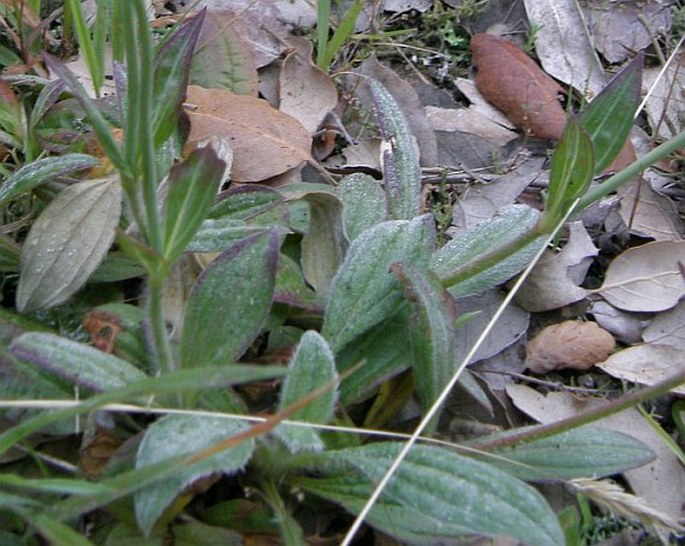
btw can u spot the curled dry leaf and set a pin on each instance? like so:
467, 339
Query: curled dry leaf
266, 142
571, 344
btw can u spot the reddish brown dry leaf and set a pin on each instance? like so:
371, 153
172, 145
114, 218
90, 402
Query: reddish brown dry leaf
571, 344
265, 142
514, 83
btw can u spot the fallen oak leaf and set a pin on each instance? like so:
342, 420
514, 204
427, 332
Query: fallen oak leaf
266, 142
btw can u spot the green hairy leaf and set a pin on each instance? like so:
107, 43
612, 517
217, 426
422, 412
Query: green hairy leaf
400, 159
311, 367
230, 302
364, 203
40, 171
79, 364
579, 453
456, 494
364, 292
431, 331
67, 243
453, 263
176, 435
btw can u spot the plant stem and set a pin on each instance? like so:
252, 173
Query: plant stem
634, 169
610, 408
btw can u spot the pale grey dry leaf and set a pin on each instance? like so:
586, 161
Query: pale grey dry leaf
572, 344
458, 150
620, 29
553, 283
667, 328
666, 105
401, 6
409, 102
563, 45
646, 364
67, 242
479, 203
306, 92
625, 327
508, 329
661, 483
482, 106
654, 215
646, 278
468, 120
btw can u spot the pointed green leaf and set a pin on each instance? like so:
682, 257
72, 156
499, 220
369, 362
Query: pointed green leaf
172, 72
579, 453
401, 171
364, 203
230, 302
459, 494
609, 118
193, 185
364, 292
215, 235
75, 362
176, 435
291, 287
431, 331
100, 125
461, 266
311, 367
245, 202
67, 242
572, 169
40, 171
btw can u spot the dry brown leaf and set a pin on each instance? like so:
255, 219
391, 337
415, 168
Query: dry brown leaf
514, 83
571, 344
266, 142
306, 92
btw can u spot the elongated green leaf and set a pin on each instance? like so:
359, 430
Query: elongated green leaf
177, 435
463, 495
193, 185
56, 532
340, 36
59, 486
172, 72
572, 168
384, 351
245, 202
609, 118
401, 171
311, 367
216, 377
42, 170
324, 244
460, 264
67, 242
100, 125
230, 302
580, 453
364, 203
216, 235
364, 292
77, 363
431, 331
